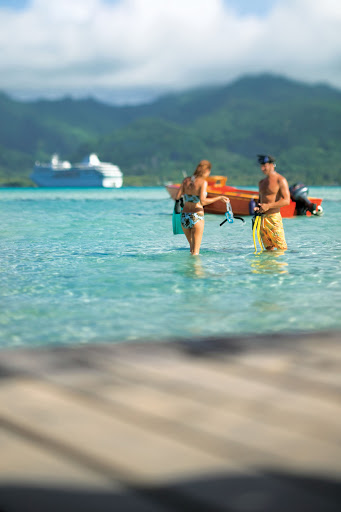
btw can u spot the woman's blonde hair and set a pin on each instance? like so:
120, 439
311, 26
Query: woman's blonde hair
202, 167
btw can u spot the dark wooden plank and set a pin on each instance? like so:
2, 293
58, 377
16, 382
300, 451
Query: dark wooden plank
234, 424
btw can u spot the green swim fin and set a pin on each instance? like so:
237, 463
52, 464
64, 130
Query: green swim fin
177, 228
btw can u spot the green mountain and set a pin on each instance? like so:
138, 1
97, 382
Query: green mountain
298, 123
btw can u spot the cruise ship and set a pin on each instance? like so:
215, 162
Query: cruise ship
91, 172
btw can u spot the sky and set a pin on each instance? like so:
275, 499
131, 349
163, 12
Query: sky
131, 51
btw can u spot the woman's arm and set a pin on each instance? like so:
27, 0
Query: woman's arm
214, 199
203, 199
180, 192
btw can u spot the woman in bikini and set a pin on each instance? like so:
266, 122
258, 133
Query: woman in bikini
194, 191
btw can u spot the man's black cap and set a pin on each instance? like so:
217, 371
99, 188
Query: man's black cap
264, 159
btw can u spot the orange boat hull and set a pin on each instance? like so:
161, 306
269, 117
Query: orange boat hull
240, 200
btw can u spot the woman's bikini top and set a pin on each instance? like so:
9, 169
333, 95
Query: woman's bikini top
191, 199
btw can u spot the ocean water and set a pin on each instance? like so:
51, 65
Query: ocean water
94, 265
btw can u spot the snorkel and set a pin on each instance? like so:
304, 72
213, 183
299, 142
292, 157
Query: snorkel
229, 215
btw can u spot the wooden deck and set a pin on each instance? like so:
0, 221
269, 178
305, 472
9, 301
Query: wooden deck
234, 424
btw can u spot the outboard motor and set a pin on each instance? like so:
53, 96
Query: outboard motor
299, 194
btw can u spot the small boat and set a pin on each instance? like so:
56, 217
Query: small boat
243, 201
91, 172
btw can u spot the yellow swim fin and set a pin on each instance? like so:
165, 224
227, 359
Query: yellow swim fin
258, 234
256, 230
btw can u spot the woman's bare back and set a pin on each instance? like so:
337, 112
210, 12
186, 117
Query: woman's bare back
193, 188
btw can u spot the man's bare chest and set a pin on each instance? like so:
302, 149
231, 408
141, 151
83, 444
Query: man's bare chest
268, 187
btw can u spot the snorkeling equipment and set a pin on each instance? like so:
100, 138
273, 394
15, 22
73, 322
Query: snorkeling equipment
177, 206
252, 205
176, 219
229, 215
299, 194
256, 222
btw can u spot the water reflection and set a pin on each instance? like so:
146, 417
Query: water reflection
193, 268
271, 262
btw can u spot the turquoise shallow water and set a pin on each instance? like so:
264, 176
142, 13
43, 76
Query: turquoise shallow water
95, 265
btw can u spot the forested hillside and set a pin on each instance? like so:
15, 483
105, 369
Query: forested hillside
298, 123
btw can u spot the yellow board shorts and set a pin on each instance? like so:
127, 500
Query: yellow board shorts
272, 232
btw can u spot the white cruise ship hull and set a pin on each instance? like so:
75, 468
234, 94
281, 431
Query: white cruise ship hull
74, 178
91, 174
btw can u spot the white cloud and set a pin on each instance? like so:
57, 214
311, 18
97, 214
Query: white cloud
88, 45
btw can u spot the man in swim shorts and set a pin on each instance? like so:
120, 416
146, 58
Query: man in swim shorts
273, 194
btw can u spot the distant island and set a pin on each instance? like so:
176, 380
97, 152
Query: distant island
158, 142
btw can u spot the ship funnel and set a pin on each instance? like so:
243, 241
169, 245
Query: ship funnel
55, 159
92, 160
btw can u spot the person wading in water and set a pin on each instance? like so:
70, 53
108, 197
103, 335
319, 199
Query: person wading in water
194, 191
273, 194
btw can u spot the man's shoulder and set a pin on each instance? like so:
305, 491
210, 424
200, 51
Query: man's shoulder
281, 178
